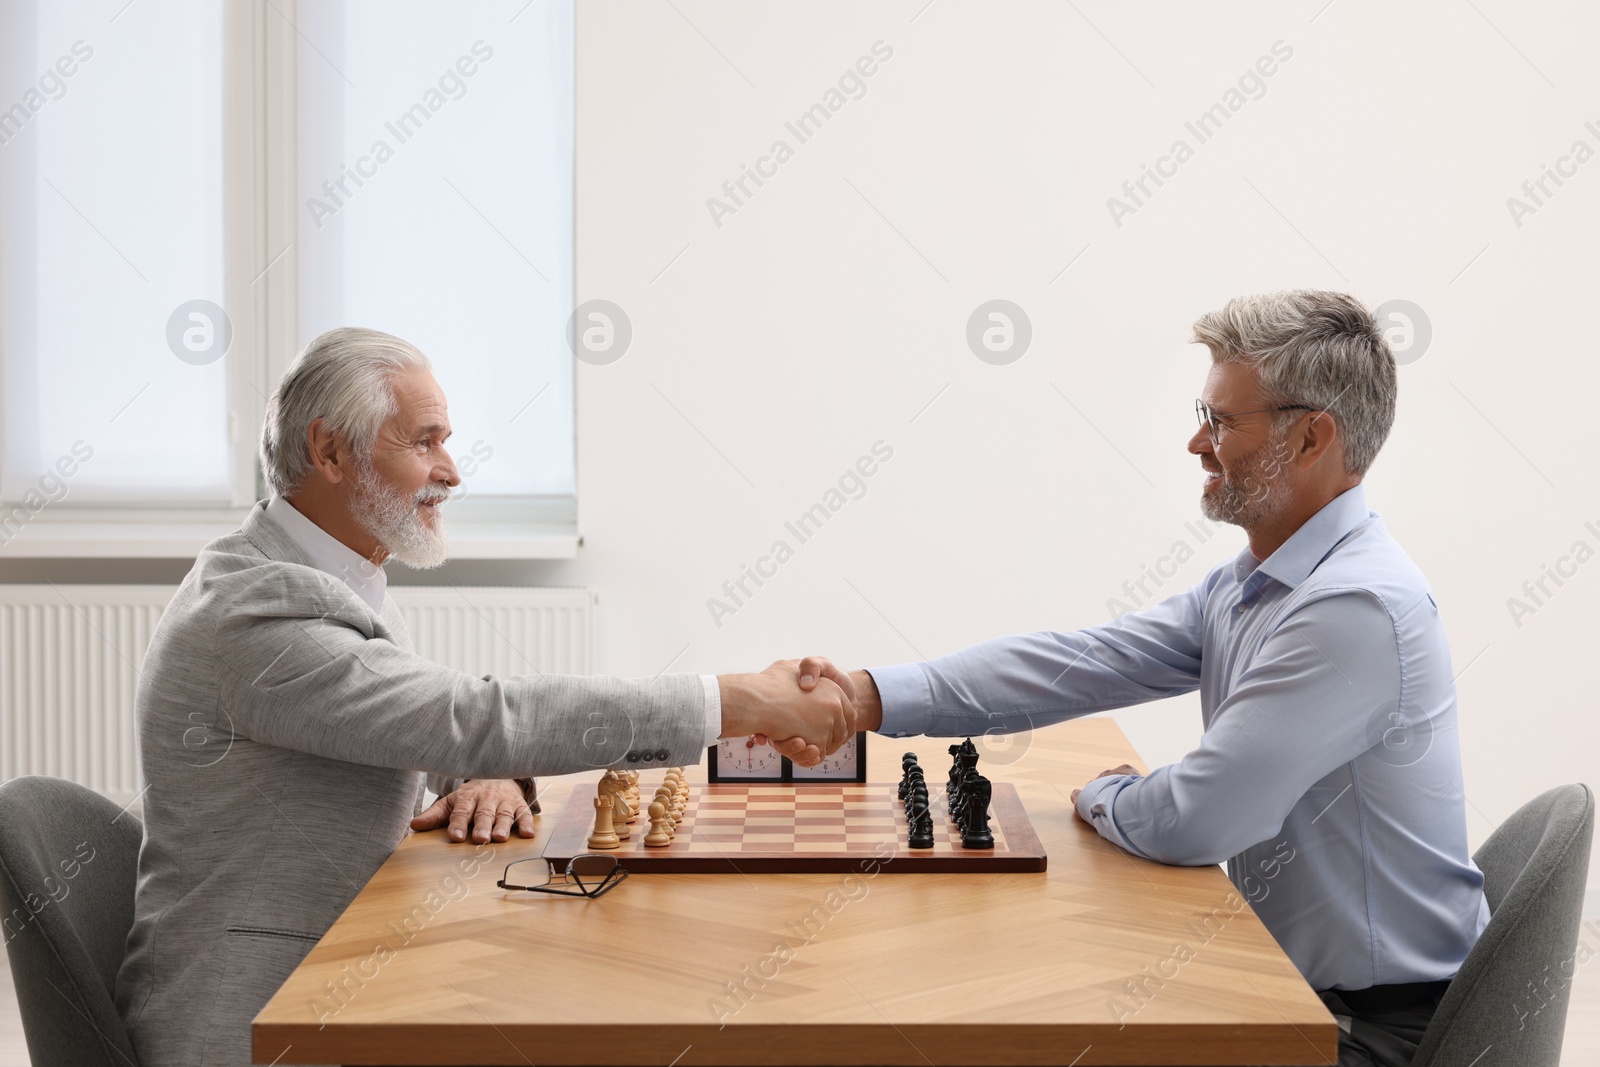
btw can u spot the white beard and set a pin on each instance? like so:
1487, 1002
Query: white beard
396, 521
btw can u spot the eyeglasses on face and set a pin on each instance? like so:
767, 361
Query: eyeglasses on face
589, 874
1215, 420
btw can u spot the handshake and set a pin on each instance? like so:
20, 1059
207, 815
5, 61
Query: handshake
804, 708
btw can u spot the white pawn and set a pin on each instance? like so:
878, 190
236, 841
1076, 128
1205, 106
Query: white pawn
664, 798
660, 827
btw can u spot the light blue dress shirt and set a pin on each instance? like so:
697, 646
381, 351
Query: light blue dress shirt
1329, 773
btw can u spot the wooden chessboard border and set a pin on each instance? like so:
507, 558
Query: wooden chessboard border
1024, 851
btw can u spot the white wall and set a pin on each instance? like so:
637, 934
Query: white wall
771, 352
777, 348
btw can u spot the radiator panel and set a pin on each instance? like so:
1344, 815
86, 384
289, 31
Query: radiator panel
70, 656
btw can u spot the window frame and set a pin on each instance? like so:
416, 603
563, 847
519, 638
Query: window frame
261, 282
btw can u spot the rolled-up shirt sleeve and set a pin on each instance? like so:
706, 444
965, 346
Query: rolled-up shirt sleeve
1317, 695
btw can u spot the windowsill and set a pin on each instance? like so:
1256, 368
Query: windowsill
183, 540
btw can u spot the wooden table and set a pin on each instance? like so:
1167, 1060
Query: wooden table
438, 966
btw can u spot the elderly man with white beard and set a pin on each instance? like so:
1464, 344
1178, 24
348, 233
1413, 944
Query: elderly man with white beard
283, 647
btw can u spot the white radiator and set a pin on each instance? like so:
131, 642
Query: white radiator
70, 656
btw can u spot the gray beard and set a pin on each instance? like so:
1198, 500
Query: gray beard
1252, 491
396, 522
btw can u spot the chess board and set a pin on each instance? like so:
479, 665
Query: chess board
731, 828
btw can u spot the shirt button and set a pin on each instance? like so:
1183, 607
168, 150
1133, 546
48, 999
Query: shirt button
1241, 609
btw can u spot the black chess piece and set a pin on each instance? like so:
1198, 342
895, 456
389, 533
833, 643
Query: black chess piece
919, 819
908, 762
917, 803
967, 759
975, 832
958, 800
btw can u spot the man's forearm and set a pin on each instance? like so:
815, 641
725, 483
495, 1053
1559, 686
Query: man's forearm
738, 701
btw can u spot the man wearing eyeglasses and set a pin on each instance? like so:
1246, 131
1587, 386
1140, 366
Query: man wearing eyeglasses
1328, 777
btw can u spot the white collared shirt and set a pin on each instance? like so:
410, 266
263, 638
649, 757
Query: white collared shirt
369, 581
331, 555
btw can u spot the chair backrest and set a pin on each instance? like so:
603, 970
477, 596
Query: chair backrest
1511, 993
68, 863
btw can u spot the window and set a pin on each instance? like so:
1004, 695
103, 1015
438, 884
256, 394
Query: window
110, 217
405, 166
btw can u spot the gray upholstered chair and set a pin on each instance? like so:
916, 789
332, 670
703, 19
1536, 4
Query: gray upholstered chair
68, 861
1508, 1005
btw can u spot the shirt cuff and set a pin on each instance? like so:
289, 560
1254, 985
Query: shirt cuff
1096, 801
1089, 797
906, 697
713, 709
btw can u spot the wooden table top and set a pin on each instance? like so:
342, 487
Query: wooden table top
435, 965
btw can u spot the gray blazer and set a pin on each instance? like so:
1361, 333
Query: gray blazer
284, 733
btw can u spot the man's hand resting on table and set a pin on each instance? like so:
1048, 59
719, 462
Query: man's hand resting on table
490, 806
1120, 769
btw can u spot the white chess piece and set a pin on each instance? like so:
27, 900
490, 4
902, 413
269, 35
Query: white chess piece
660, 827
604, 836
664, 798
621, 815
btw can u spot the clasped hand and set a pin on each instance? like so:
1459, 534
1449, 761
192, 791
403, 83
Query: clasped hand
804, 718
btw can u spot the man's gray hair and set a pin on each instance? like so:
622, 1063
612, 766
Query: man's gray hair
1317, 348
345, 377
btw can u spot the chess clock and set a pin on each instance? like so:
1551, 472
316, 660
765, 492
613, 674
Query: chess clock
740, 759
847, 764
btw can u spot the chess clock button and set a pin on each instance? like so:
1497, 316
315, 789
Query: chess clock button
741, 759
633, 757
661, 754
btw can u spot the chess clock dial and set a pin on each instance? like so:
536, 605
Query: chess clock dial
740, 759
848, 764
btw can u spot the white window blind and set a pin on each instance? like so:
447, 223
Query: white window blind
111, 205
435, 178
411, 163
